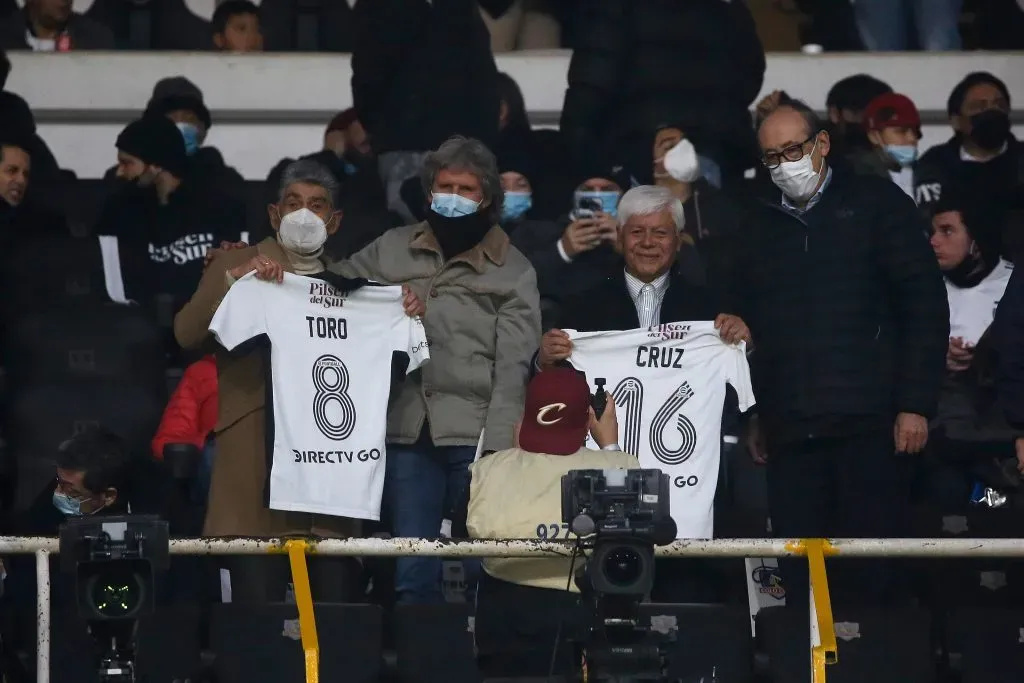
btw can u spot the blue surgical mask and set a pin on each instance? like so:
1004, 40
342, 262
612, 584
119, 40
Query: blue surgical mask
609, 200
66, 505
191, 136
452, 205
516, 204
904, 155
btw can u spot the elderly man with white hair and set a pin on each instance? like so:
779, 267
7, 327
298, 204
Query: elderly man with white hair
646, 289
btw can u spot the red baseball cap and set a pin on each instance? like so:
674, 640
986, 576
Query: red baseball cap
557, 414
891, 110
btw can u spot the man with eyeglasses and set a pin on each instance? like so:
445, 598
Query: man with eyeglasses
848, 314
92, 474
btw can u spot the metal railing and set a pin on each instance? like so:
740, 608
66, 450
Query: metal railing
823, 645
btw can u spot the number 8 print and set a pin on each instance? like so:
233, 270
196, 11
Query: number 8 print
330, 379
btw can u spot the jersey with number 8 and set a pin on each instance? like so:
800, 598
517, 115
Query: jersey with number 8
330, 357
668, 383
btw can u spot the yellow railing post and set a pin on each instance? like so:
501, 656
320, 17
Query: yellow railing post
823, 649
304, 601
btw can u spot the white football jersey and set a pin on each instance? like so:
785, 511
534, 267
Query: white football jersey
330, 358
972, 309
668, 383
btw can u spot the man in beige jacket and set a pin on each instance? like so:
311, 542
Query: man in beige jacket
516, 493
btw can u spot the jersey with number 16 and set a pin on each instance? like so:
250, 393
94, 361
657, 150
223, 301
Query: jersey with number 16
668, 384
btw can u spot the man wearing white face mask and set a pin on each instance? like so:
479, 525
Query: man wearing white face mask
848, 311
302, 219
712, 220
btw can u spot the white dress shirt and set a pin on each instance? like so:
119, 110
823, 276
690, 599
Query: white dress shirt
647, 297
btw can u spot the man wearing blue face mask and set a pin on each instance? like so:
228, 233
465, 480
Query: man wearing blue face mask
180, 100
893, 127
92, 474
482, 320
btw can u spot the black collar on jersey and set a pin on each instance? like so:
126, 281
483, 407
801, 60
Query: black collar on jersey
344, 285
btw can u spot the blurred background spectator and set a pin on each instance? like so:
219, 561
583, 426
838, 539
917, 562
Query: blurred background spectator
982, 159
520, 25
894, 25
893, 125
236, 27
421, 72
638, 66
52, 26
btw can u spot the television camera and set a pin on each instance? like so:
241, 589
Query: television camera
114, 560
619, 517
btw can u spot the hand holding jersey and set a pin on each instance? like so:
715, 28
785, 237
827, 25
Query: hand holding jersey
556, 346
269, 270
328, 434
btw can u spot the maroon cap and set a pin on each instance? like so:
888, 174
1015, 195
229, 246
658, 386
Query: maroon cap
891, 110
557, 414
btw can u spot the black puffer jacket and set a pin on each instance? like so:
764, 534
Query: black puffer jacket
422, 72
847, 309
637, 65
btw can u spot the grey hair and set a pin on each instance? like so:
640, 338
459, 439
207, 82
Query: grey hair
312, 173
644, 200
469, 155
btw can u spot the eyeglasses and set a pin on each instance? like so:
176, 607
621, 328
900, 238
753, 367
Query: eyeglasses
791, 153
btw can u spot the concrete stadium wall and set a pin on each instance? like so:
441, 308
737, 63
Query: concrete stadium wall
266, 107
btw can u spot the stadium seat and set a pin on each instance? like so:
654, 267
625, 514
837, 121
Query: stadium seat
263, 643
39, 418
989, 642
435, 643
881, 646
167, 647
153, 24
99, 342
74, 275
712, 643
307, 25
977, 582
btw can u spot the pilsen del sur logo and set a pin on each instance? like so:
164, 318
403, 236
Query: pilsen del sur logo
182, 250
669, 331
325, 295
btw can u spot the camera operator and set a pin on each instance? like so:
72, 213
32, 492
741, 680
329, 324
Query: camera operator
92, 475
516, 493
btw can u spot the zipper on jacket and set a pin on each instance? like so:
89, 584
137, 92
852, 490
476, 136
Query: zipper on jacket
807, 248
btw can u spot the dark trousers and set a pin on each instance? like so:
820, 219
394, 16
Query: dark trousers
422, 486
839, 487
257, 579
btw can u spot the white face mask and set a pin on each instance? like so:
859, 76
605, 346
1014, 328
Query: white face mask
797, 179
681, 162
302, 232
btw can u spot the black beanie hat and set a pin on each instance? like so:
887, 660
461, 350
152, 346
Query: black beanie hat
155, 140
177, 92
959, 94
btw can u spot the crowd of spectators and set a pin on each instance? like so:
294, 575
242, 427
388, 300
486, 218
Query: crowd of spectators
866, 275
324, 25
